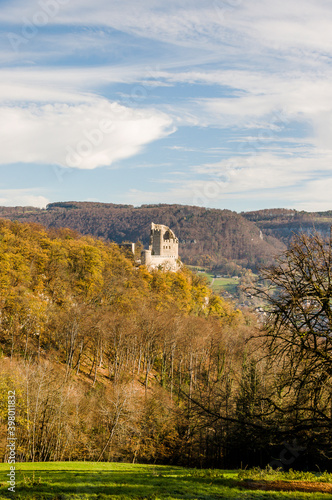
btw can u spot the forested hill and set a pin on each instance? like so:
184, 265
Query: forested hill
98, 352
111, 362
208, 237
283, 224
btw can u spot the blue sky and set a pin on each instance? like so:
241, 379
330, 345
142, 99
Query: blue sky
222, 103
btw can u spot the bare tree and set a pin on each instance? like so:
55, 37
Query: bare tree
298, 331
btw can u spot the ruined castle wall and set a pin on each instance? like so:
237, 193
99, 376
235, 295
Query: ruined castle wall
156, 239
163, 249
146, 258
170, 248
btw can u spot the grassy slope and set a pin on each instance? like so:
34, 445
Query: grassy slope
228, 284
78, 480
218, 284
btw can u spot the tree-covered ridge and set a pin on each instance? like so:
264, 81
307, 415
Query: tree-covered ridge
284, 224
56, 267
208, 237
212, 238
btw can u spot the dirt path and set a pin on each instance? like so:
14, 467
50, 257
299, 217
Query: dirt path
287, 486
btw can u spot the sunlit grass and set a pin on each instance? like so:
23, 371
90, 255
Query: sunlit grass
87, 480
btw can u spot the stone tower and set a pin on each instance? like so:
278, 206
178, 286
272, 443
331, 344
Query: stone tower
163, 249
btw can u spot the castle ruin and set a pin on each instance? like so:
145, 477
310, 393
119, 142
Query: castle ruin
163, 249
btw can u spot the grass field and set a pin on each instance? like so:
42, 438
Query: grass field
218, 284
84, 480
227, 284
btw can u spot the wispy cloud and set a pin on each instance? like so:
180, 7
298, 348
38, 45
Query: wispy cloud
81, 136
259, 24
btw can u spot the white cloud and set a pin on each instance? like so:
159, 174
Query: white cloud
297, 182
290, 24
264, 171
181, 20
66, 85
313, 196
257, 24
82, 136
22, 197
263, 100
258, 185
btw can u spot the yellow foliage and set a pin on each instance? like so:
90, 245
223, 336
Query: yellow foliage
43, 270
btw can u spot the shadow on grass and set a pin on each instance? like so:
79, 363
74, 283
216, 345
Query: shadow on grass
107, 484
83, 481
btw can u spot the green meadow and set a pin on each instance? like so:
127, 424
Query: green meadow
90, 480
229, 285
218, 285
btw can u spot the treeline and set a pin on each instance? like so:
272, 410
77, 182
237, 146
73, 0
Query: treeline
216, 239
112, 362
283, 224
208, 237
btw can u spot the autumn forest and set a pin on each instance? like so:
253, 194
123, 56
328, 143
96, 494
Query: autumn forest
111, 362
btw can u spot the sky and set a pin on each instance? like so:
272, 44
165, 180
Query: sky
221, 103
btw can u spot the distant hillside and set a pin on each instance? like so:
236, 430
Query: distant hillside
283, 224
207, 237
